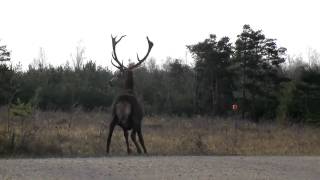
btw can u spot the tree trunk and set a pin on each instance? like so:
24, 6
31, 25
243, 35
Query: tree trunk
217, 93
244, 98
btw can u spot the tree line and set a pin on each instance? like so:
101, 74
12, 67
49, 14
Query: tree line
252, 72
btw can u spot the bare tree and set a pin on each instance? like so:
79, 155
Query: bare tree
79, 57
127, 111
40, 62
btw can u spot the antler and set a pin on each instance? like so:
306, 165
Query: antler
120, 66
150, 44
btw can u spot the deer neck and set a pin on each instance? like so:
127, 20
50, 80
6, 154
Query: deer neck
129, 82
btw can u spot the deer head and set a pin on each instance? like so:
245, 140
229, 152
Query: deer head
125, 73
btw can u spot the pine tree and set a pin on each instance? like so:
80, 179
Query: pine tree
258, 60
213, 78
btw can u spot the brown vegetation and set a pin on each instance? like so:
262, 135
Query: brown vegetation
80, 133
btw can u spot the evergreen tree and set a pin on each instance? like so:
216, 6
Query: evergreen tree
4, 54
6, 77
213, 77
258, 60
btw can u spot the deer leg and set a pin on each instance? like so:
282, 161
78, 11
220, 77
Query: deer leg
133, 137
111, 128
142, 141
125, 133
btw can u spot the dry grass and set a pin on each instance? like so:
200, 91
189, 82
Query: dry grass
81, 133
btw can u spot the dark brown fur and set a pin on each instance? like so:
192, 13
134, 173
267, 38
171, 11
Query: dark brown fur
127, 112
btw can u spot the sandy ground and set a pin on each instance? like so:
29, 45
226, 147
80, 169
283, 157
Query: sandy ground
163, 167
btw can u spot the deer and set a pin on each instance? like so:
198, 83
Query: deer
127, 111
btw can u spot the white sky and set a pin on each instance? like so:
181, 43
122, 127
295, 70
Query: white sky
59, 25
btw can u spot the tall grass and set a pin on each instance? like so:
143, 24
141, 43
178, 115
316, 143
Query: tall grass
80, 133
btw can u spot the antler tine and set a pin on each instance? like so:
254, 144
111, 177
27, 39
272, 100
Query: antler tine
114, 54
119, 67
150, 44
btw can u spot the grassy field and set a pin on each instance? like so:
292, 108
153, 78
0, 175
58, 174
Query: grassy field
82, 134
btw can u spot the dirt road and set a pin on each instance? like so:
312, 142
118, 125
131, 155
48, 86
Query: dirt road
163, 167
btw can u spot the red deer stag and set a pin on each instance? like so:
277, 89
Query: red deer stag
127, 112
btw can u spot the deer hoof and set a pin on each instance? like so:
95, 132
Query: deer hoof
129, 151
139, 151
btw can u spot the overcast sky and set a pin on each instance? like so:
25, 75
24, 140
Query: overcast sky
59, 26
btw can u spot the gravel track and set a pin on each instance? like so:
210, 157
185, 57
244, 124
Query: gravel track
163, 167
